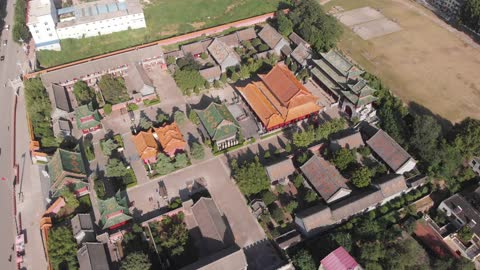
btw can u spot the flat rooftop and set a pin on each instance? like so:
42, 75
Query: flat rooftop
97, 11
37, 8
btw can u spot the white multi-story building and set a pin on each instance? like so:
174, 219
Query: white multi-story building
41, 20
84, 20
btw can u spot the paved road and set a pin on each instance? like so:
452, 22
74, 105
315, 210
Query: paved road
8, 70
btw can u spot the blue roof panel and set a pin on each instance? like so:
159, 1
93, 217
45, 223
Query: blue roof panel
102, 9
122, 6
112, 7
65, 10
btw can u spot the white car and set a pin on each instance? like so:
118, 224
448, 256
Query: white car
5, 42
6, 27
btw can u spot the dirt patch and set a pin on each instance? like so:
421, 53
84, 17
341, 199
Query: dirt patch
424, 64
432, 240
198, 25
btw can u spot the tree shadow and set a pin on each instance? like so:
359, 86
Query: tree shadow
422, 110
192, 139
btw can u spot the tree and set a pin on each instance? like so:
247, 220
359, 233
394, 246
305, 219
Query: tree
251, 177
470, 14
315, 26
311, 196
197, 151
288, 147
179, 117
304, 138
188, 63
424, 137
181, 161
291, 206
108, 146
223, 77
192, 115
20, 30
465, 234
467, 137
145, 123
234, 77
164, 164
372, 251
284, 25
204, 55
217, 84
70, 198
268, 197
161, 118
62, 248
343, 158
113, 89
83, 93
136, 261
107, 109
263, 47
188, 79
171, 234
362, 177
328, 128
39, 111
298, 180
115, 168
171, 60
344, 239
277, 213
303, 260
208, 85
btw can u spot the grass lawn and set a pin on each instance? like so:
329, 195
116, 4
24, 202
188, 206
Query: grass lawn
165, 18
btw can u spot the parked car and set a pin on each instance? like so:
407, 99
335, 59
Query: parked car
6, 27
2, 57
5, 42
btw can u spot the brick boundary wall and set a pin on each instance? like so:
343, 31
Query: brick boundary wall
167, 41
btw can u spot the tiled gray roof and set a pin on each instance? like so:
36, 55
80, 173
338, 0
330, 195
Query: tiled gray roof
92, 256
61, 98
388, 150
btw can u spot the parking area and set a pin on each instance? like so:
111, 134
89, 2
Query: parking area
167, 90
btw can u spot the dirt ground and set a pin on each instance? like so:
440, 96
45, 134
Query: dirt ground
424, 63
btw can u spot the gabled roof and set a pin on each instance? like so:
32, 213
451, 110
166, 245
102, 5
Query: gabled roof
87, 117
280, 169
196, 47
92, 256
341, 64
339, 259
325, 178
211, 73
230, 258
315, 217
221, 51
301, 53
297, 39
211, 224
170, 138
81, 222
62, 101
355, 204
218, 121
246, 34
279, 97
270, 36
388, 150
145, 144
113, 210
230, 40
391, 184
64, 161
359, 93
137, 79
350, 140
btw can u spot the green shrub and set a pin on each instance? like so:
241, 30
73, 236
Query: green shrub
268, 197
132, 107
107, 109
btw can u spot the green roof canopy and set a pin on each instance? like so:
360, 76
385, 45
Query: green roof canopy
218, 121
113, 210
87, 117
65, 164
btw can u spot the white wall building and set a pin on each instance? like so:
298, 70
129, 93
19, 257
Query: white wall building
84, 20
41, 20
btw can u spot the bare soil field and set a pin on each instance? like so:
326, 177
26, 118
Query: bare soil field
424, 63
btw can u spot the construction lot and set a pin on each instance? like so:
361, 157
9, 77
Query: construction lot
426, 62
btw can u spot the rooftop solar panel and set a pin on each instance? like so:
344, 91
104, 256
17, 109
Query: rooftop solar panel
112, 7
94, 11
